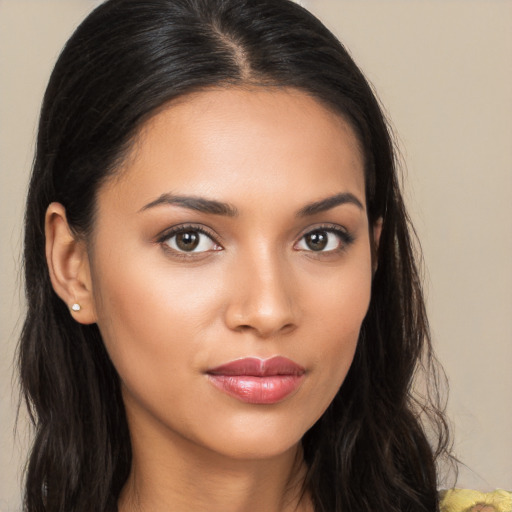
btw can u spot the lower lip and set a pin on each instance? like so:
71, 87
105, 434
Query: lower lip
257, 390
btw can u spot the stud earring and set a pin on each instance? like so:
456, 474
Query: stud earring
76, 307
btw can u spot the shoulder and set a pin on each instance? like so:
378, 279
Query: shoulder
467, 500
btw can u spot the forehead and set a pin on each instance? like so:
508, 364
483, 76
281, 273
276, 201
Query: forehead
241, 142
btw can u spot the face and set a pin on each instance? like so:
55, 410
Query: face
231, 269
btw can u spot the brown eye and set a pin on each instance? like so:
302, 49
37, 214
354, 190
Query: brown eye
190, 241
317, 240
324, 240
187, 241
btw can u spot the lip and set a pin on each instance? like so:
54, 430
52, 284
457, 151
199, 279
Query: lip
258, 381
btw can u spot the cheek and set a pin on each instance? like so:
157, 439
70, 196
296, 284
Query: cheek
150, 317
335, 313
340, 299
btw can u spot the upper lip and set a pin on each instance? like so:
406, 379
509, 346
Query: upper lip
256, 367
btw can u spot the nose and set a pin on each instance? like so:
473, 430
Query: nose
263, 298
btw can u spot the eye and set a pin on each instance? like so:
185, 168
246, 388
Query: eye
324, 240
190, 240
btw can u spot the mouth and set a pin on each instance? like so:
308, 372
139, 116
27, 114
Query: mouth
258, 381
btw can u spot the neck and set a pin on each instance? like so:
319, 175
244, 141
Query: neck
180, 475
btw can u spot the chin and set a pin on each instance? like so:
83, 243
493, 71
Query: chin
257, 439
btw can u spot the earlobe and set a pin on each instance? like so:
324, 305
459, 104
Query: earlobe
68, 265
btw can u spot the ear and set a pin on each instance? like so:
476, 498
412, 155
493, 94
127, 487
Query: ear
376, 232
68, 264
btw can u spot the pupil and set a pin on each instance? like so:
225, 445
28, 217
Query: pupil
317, 240
187, 241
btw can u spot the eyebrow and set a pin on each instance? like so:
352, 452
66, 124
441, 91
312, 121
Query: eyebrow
328, 203
199, 204
211, 206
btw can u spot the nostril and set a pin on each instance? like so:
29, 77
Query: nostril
261, 331
287, 328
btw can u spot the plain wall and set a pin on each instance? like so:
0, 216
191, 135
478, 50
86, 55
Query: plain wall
443, 69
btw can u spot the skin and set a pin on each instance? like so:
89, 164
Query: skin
255, 288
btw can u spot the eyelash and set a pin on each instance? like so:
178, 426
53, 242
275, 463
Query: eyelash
346, 239
167, 235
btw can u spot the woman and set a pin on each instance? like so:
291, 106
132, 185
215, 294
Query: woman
224, 307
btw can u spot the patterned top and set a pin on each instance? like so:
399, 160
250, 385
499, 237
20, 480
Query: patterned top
466, 500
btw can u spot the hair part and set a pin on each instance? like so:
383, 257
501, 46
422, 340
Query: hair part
127, 60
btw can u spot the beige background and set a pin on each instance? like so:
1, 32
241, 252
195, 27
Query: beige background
443, 69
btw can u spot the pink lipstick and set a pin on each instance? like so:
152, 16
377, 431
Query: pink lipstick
258, 381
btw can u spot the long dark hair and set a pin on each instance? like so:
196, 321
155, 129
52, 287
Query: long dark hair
369, 451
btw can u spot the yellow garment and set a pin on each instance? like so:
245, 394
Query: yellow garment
466, 500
